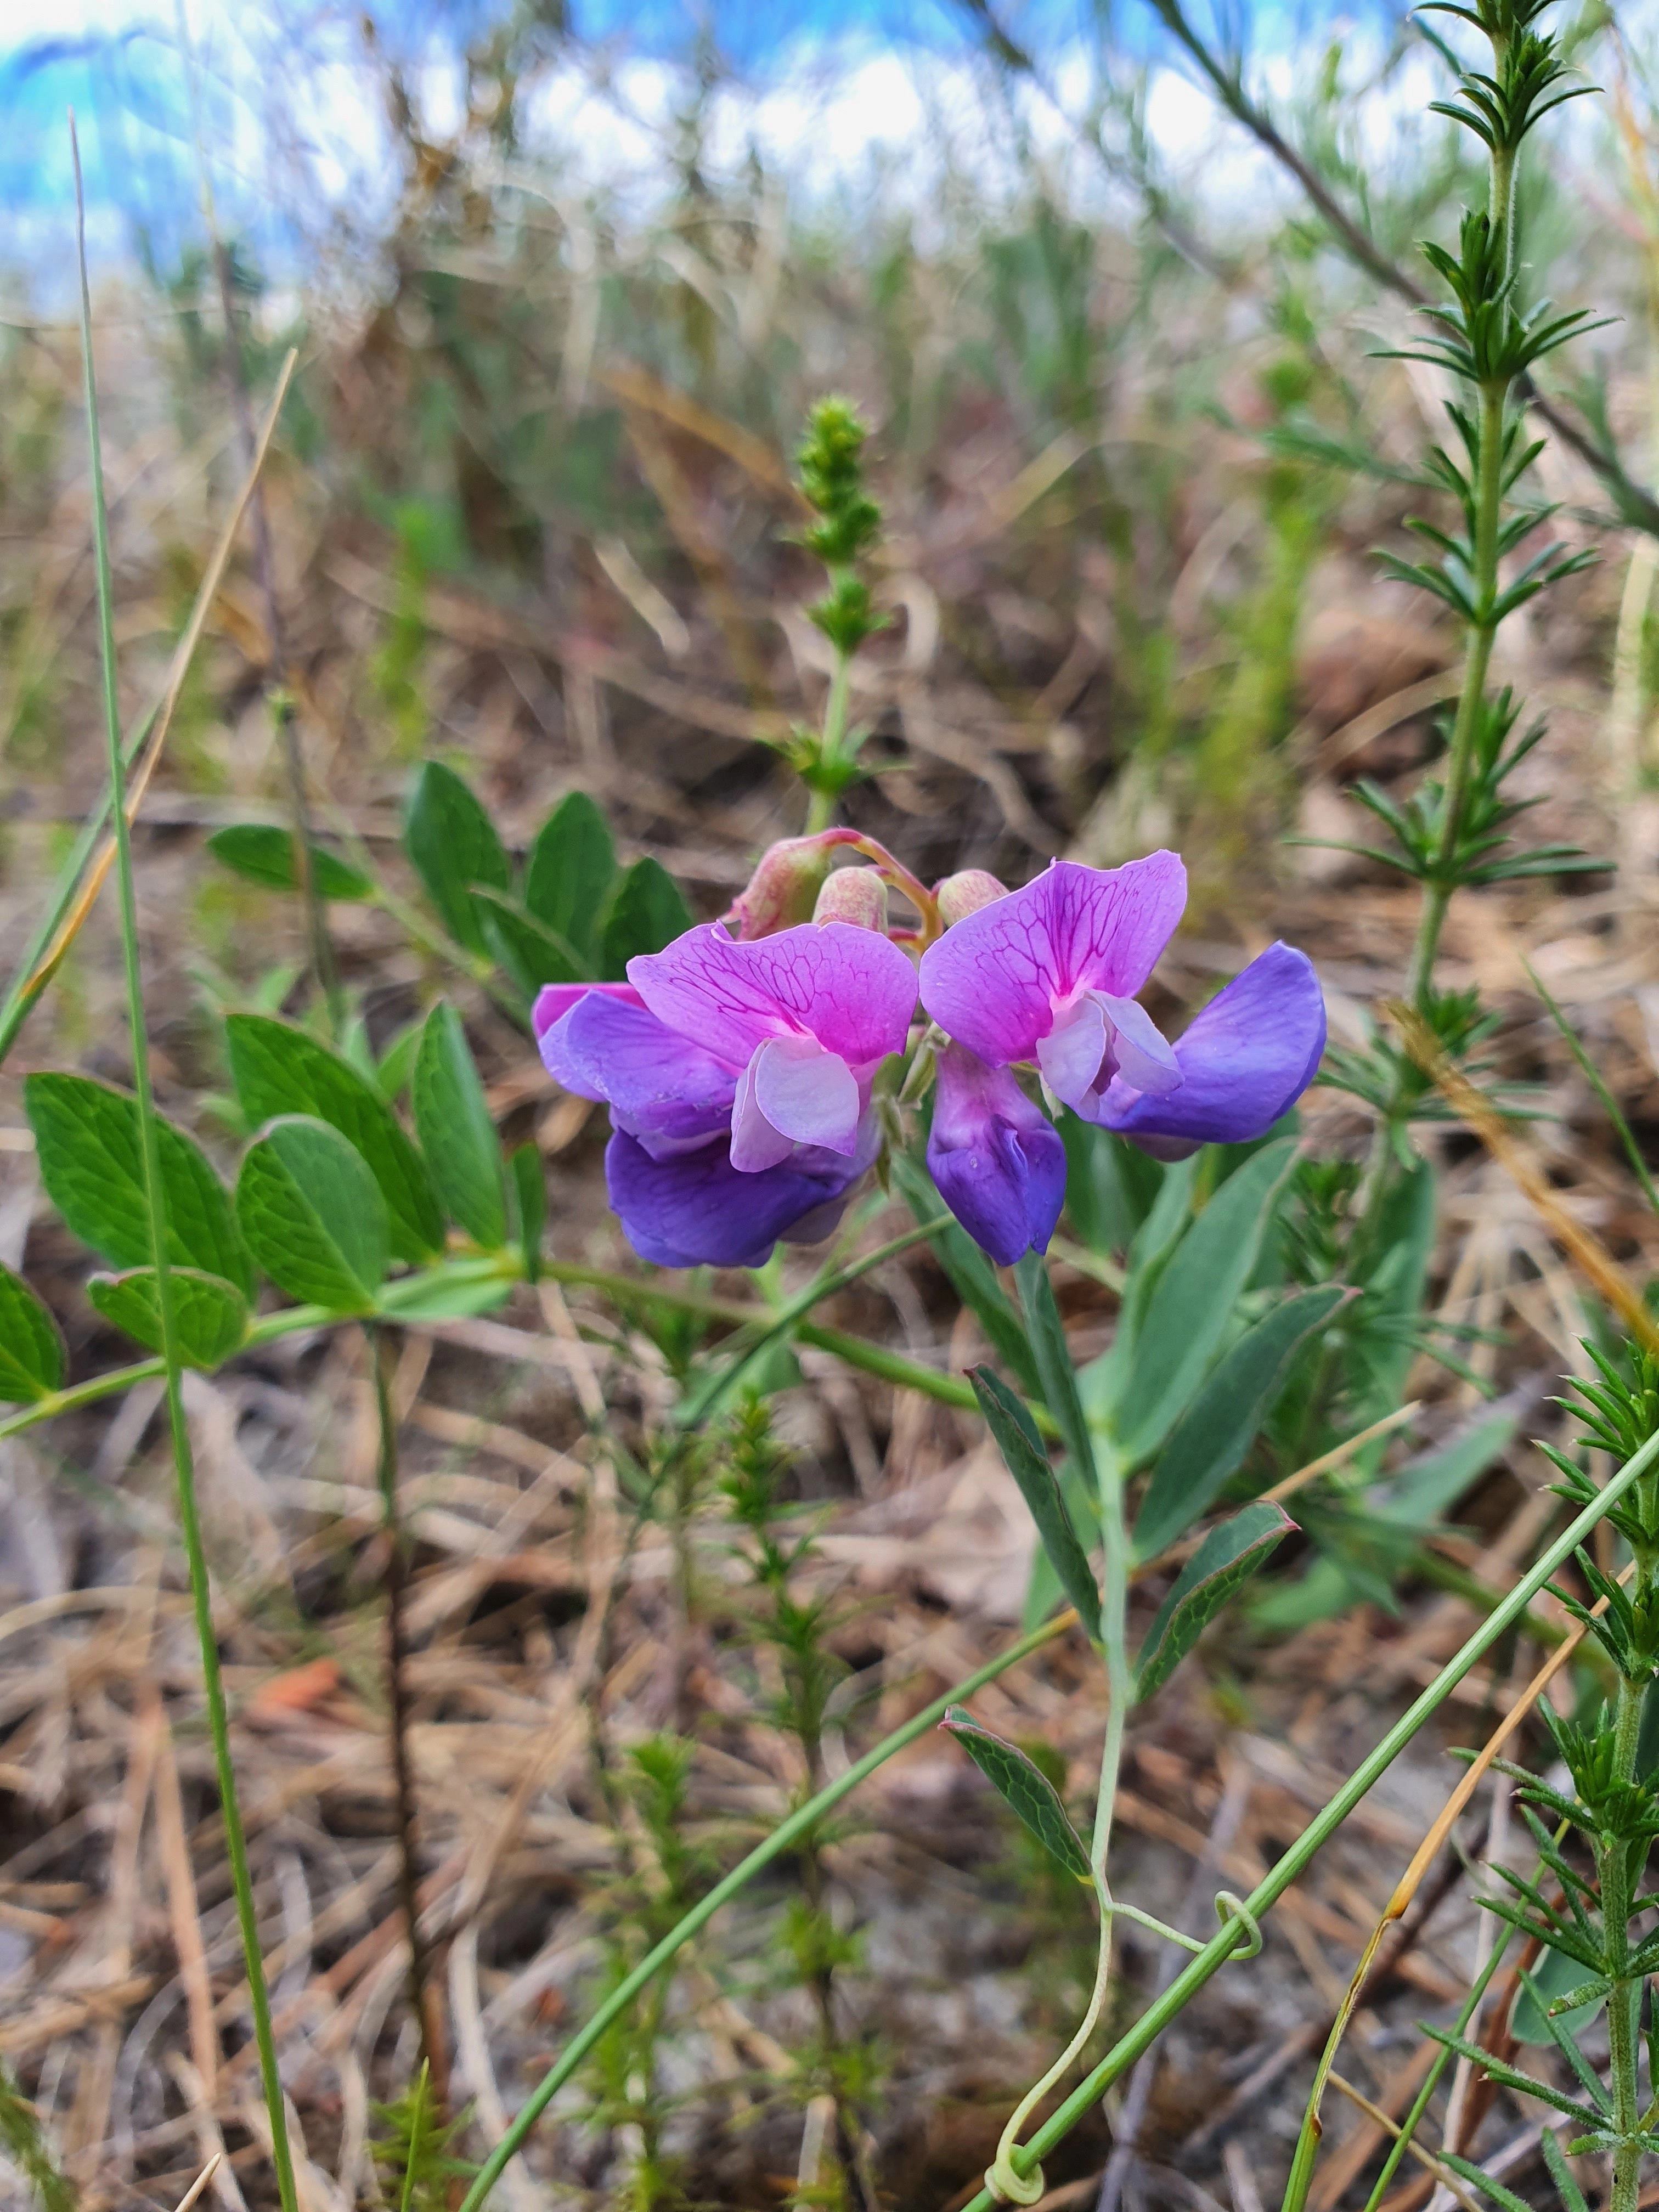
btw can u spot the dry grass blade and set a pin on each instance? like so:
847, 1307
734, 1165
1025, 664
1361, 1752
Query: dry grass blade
638, 388
200, 2182
183, 653
1478, 1114
1430, 1849
1378, 2118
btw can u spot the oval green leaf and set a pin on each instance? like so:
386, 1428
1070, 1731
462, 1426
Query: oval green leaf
314, 1216
212, 1315
278, 1069
458, 1134
452, 845
1028, 1462
1217, 1571
531, 953
86, 1135
1023, 1785
647, 911
1212, 1436
1194, 1301
265, 854
31, 1361
572, 865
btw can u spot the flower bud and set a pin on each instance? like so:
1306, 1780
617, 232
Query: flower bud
960, 896
854, 894
781, 892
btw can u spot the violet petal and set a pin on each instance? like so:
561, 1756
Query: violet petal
1244, 1060
997, 1160
660, 1088
697, 1210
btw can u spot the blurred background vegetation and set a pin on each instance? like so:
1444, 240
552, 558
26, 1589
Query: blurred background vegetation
1116, 292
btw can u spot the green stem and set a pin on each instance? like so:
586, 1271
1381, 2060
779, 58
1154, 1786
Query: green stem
410, 1292
1620, 1861
1443, 2059
905, 1374
697, 1408
1477, 663
171, 1361
1004, 2176
1302, 1853
821, 799
782, 1839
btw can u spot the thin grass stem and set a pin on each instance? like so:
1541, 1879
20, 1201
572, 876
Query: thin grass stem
782, 1839
1293, 1863
173, 1364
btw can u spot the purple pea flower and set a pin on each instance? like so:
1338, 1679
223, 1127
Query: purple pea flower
739, 1079
996, 1158
1051, 973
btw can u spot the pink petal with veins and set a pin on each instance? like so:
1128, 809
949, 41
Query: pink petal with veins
555, 1000
995, 980
852, 990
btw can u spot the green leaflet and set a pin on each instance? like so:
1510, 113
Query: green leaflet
970, 1273
1103, 1380
1218, 1427
1024, 1786
457, 1132
571, 867
32, 1360
528, 950
1222, 1565
211, 1315
265, 854
452, 845
1111, 1185
528, 1179
278, 1069
1193, 1303
314, 1216
646, 911
1054, 1363
1028, 1462
91, 1157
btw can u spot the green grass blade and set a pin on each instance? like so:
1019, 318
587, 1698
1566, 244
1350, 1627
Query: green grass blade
1295, 1862
798, 1824
170, 1354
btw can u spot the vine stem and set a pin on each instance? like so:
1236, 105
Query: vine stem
172, 1361
1003, 2178
1319, 1831
1618, 1868
782, 1838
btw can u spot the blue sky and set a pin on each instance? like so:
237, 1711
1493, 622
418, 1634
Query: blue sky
294, 119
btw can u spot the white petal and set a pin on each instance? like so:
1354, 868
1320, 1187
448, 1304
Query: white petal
1070, 1056
755, 1143
1144, 1055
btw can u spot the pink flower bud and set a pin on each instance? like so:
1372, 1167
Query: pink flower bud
960, 896
781, 892
854, 894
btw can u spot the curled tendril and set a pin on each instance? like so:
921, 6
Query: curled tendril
1234, 1908
1011, 2188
